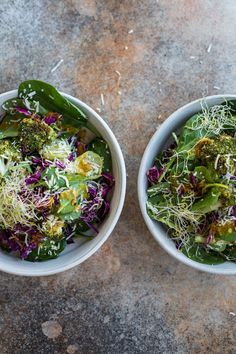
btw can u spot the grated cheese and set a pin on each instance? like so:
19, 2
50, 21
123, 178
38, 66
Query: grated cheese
57, 65
216, 161
102, 99
209, 48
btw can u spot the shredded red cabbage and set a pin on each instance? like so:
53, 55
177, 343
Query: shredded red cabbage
181, 191
96, 207
51, 117
72, 156
72, 140
68, 232
40, 162
108, 178
213, 217
34, 178
60, 164
92, 190
15, 239
154, 173
24, 111
233, 211
104, 209
91, 226
209, 238
192, 179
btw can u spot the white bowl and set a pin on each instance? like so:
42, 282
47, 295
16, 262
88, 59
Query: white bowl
154, 147
75, 254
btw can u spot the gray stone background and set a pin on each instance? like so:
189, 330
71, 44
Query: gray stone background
130, 297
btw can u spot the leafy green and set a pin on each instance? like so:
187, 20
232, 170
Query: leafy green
201, 254
70, 216
100, 147
40, 97
202, 172
159, 188
50, 100
70, 202
10, 105
75, 180
49, 249
9, 126
81, 227
189, 134
53, 179
219, 246
209, 202
230, 253
227, 236
231, 104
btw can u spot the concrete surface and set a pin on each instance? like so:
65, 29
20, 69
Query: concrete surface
130, 297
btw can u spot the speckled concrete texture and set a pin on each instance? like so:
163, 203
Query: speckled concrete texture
147, 58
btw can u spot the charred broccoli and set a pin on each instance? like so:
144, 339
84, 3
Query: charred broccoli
34, 133
218, 151
9, 154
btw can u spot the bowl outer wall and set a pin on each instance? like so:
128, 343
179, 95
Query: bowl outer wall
74, 255
154, 147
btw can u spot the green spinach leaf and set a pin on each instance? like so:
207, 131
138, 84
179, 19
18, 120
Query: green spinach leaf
9, 126
100, 147
209, 202
200, 254
229, 237
49, 249
230, 253
52, 101
210, 176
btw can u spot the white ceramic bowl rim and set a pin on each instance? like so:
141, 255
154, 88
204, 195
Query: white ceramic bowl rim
155, 145
13, 265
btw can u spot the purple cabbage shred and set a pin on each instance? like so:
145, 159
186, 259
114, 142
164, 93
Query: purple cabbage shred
96, 207
209, 238
92, 190
34, 178
109, 178
72, 156
154, 174
192, 179
181, 191
60, 164
233, 211
14, 240
23, 111
40, 162
51, 118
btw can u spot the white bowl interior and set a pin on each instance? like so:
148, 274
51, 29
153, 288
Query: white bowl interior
154, 147
79, 251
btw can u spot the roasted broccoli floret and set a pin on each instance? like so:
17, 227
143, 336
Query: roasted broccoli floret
9, 155
58, 149
34, 133
219, 152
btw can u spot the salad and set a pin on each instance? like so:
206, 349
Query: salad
192, 186
55, 174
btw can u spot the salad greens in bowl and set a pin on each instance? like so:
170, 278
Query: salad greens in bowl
62, 180
187, 184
